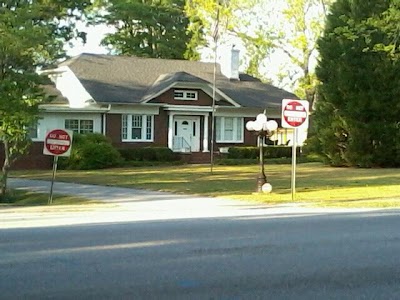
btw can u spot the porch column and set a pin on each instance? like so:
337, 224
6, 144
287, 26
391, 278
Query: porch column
170, 130
205, 138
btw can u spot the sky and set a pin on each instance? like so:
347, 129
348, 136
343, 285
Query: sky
94, 36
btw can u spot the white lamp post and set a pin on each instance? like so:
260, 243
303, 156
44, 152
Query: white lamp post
263, 128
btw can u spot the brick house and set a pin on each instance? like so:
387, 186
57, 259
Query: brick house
144, 101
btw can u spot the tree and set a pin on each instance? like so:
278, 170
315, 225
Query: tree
269, 27
356, 118
151, 28
32, 36
223, 19
304, 22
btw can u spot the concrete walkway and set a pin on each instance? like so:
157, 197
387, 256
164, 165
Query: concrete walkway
127, 205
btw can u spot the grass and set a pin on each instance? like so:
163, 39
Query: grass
315, 183
24, 198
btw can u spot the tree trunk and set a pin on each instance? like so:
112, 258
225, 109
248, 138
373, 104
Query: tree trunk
5, 169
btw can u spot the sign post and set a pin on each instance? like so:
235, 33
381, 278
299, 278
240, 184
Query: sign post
295, 116
57, 143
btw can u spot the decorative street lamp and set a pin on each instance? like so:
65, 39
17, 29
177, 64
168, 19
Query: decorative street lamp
263, 128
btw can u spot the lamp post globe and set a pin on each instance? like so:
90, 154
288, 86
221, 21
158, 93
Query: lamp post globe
258, 126
262, 118
272, 125
250, 125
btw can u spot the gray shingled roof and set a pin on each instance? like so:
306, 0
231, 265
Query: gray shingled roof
54, 95
129, 79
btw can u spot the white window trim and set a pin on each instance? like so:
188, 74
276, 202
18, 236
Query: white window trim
144, 133
185, 97
235, 131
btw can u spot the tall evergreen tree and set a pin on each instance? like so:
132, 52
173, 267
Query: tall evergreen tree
151, 28
356, 118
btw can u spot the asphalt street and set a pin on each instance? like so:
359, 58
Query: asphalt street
239, 251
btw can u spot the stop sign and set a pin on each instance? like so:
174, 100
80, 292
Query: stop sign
294, 113
58, 142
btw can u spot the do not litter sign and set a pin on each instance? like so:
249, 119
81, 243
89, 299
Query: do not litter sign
295, 113
58, 142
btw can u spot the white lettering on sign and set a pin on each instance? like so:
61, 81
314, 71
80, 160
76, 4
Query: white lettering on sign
293, 119
298, 114
57, 142
57, 148
63, 136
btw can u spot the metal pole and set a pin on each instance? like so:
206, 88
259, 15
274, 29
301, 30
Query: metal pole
261, 179
214, 92
55, 160
294, 153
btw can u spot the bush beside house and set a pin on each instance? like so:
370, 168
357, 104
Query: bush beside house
159, 154
253, 152
91, 151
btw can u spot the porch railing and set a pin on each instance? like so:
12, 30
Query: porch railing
180, 144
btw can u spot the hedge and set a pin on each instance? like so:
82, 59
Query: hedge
253, 152
149, 154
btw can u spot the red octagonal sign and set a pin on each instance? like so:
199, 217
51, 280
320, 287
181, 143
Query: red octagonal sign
294, 113
58, 142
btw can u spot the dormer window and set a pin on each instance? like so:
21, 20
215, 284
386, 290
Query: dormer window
185, 95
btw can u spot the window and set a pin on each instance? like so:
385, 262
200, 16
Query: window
79, 126
229, 129
137, 128
185, 95
33, 131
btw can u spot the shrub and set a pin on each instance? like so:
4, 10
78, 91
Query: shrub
253, 152
149, 154
243, 152
91, 151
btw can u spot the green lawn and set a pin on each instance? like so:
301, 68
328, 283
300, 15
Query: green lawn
23, 198
318, 184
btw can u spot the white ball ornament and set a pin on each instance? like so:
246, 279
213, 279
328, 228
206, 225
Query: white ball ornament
266, 188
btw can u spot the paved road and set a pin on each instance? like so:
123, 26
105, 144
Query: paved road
271, 253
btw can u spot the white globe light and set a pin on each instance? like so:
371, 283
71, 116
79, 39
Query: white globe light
266, 188
258, 126
261, 118
250, 125
272, 125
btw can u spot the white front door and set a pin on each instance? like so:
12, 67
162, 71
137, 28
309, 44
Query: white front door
187, 132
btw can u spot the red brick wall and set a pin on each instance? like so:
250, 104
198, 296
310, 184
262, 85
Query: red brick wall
35, 159
113, 128
161, 129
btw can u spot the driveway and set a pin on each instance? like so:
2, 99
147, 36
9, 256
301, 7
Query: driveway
117, 204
